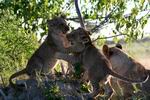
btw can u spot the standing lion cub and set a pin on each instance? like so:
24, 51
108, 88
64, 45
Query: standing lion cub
43, 58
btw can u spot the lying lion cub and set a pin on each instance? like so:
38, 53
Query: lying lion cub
125, 66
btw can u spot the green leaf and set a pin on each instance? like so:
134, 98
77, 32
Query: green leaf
118, 26
128, 25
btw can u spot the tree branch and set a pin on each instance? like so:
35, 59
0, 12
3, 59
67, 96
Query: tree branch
108, 16
110, 37
76, 19
104, 21
79, 13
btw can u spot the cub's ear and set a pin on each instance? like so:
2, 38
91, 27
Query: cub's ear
119, 46
105, 50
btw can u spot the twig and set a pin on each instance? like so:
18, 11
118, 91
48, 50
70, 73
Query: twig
109, 37
74, 19
108, 16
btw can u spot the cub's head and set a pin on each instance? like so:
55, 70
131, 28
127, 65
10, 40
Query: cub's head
122, 63
58, 24
57, 29
79, 39
79, 35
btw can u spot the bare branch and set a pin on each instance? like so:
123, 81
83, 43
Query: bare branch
76, 19
107, 17
104, 21
110, 37
79, 13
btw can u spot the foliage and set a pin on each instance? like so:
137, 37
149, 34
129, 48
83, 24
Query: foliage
85, 87
34, 13
16, 45
114, 11
53, 93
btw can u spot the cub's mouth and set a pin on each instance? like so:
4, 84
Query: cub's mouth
66, 29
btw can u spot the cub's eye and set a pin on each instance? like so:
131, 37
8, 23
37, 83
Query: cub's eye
85, 39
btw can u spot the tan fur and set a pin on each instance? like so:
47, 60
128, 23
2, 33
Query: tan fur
94, 62
125, 66
43, 60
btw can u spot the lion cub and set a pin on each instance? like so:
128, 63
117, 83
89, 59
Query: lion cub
95, 64
43, 58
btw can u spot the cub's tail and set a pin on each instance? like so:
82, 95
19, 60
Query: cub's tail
15, 75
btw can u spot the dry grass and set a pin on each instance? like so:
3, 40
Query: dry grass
140, 51
145, 62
